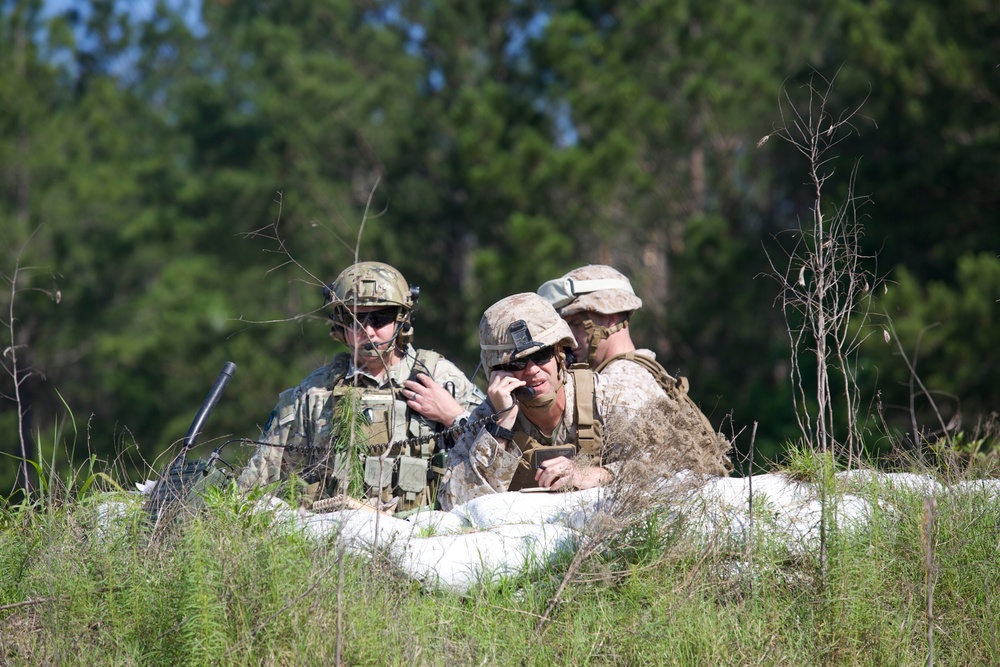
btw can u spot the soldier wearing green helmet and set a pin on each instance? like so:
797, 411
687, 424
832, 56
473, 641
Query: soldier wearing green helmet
539, 412
406, 397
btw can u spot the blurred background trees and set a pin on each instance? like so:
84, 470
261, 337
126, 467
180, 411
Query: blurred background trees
154, 164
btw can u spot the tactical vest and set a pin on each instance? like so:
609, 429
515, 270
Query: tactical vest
589, 434
411, 468
676, 388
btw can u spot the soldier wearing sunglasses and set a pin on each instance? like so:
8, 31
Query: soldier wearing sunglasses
406, 396
543, 413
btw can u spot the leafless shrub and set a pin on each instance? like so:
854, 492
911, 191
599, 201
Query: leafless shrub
15, 362
825, 280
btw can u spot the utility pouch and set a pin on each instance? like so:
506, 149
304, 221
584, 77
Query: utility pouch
412, 476
532, 454
378, 472
548, 453
377, 432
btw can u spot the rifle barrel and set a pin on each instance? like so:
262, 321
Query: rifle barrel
228, 370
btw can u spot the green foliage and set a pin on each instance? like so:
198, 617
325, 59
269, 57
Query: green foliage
349, 424
200, 607
944, 329
156, 179
805, 464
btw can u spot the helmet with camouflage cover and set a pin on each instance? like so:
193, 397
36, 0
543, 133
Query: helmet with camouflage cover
369, 285
596, 288
518, 326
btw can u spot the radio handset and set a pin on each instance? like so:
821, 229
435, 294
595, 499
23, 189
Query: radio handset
524, 393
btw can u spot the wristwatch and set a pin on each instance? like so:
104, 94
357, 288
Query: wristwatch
498, 431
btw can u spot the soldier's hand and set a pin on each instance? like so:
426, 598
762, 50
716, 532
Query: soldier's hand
561, 472
500, 390
431, 400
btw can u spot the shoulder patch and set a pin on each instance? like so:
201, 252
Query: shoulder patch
270, 421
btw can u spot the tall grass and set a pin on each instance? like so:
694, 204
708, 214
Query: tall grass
228, 587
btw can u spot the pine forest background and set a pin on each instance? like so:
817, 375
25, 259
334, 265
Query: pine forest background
159, 165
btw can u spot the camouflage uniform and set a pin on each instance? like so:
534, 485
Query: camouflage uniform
641, 383
597, 288
479, 464
304, 416
594, 288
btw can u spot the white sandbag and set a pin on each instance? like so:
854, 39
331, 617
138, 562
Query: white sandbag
436, 522
987, 487
783, 508
520, 507
508, 534
359, 530
897, 481
459, 563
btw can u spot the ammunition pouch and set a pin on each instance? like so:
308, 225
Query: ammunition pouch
413, 480
411, 468
378, 472
412, 476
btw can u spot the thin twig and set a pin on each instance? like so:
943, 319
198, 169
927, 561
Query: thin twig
29, 603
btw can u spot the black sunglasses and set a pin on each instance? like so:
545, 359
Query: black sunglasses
376, 318
541, 357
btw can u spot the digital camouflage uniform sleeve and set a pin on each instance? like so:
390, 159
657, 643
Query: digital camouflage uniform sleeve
478, 465
265, 466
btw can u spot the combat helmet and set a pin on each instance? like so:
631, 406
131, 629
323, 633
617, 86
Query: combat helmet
370, 284
518, 326
594, 288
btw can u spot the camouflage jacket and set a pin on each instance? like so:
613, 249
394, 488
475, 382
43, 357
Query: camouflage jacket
635, 375
480, 465
304, 414
625, 373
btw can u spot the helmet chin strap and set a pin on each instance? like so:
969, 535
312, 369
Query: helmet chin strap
596, 333
545, 400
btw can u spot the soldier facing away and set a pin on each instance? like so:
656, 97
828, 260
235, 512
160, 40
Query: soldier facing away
543, 413
405, 396
597, 301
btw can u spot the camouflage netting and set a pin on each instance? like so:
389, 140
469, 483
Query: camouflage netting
666, 437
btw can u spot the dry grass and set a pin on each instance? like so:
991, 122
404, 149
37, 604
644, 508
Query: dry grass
666, 436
